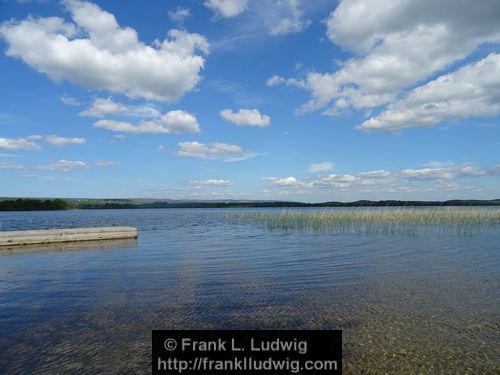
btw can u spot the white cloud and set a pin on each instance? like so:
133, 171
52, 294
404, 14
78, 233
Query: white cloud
177, 121
473, 90
19, 143
96, 52
320, 167
179, 15
378, 177
62, 141
448, 172
102, 107
428, 173
292, 22
68, 100
126, 127
13, 166
205, 151
276, 80
227, 8
29, 142
335, 181
397, 44
211, 182
105, 163
181, 122
247, 117
359, 25
375, 174
287, 181
405, 180
423, 183
64, 166
34, 137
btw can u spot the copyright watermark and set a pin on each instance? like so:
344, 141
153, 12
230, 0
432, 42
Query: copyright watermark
247, 352
170, 344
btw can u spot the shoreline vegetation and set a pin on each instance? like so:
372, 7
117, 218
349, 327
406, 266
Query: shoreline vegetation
462, 220
32, 204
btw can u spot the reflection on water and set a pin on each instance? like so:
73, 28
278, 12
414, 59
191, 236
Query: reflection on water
68, 246
426, 303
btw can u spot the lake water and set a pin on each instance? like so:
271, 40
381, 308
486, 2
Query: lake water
408, 304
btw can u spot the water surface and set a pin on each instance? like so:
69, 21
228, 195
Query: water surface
408, 304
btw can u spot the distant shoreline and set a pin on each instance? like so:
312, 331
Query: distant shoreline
30, 204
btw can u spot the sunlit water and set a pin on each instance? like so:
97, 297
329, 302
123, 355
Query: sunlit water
426, 303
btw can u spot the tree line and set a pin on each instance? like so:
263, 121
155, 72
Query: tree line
60, 204
33, 205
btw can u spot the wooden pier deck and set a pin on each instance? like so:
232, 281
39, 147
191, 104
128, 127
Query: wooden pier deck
38, 237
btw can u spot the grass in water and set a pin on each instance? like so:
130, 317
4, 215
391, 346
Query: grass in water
463, 220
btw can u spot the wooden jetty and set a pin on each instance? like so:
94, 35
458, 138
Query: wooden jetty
38, 237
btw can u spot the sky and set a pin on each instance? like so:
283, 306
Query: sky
250, 99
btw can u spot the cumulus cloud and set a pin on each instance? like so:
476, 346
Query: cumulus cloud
177, 121
30, 142
276, 80
375, 174
432, 179
68, 100
286, 181
69, 165
246, 117
216, 150
206, 151
320, 167
95, 52
62, 141
19, 143
348, 180
211, 182
334, 181
397, 44
449, 172
473, 90
179, 14
227, 8
64, 166
292, 22
103, 107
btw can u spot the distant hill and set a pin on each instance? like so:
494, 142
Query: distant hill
33, 204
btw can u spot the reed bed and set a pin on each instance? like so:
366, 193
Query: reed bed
463, 220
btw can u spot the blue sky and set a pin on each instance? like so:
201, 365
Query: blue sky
250, 99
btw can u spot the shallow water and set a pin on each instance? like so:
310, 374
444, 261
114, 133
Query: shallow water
408, 304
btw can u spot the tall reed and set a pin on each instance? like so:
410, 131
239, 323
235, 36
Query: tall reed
383, 220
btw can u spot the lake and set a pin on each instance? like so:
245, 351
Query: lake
408, 303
